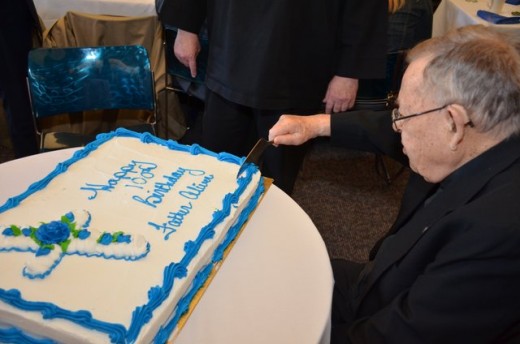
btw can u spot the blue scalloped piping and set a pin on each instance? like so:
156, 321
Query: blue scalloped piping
46, 273
142, 314
14, 335
183, 305
70, 253
50, 311
192, 248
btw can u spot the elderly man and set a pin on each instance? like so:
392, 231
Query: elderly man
448, 271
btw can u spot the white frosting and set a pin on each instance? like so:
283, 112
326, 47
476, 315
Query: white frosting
129, 192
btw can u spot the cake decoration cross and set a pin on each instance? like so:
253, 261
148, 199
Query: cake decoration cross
70, 235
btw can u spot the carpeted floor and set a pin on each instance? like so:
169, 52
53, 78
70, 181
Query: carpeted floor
350, 204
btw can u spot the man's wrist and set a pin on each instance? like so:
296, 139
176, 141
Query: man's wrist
322, 125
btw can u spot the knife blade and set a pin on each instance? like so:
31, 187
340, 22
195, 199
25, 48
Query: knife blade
255, 154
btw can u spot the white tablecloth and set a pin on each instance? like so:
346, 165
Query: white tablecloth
52, 10
274, 287
456, 13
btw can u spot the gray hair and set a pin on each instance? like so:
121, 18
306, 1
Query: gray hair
479, 68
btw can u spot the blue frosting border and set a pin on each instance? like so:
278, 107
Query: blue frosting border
157, 294
14, 335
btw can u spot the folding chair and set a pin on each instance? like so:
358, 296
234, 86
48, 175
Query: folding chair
115, 82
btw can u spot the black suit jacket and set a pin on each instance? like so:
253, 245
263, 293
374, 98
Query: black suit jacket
447, 271
20, 31
281, 54
17, 13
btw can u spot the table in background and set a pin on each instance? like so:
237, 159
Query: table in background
52, 10
456, 13
274, 287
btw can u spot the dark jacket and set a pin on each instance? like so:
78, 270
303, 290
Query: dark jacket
448, 271
281, 54
17, 13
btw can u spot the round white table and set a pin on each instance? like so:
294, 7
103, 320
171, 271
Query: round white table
452, 14
275, 286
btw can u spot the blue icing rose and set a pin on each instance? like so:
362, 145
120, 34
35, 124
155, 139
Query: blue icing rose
43, 251
123, 238
70, 216
53, 232
8, 232
83, 234
105, 239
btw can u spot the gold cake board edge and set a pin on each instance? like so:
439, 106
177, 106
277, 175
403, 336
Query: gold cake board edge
182, 321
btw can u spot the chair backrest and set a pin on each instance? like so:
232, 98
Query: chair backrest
380, 94
68, 80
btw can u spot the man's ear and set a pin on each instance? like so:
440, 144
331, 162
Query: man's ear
458, 118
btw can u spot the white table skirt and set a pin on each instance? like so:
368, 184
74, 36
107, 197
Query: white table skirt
52, 10
457, 13
275, 286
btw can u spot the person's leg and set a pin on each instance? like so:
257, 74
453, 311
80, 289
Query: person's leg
226, 126
346, 274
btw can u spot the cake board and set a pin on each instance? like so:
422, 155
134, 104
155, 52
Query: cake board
182, 321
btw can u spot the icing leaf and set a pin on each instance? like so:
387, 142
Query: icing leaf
65, 245
16, 230
65, 219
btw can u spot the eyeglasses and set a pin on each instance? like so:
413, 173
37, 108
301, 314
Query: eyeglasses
397, 116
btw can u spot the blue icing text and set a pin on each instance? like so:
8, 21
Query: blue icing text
174, 220
195, 190
160, 189
136, 173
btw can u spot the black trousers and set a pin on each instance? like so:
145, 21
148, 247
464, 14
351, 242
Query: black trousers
346, 275
234, 128
15, 43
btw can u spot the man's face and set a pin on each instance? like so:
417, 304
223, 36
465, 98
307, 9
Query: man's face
425, 138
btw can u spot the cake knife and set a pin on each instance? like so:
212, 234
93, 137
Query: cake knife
255, 154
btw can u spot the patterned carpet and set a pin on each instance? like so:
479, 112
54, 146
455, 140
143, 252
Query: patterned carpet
350, 204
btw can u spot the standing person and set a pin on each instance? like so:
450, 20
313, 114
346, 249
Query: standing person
277, 56
409, 23
19, 28
448, 271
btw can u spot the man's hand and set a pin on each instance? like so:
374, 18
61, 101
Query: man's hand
295, 130
341, 94
186, 48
